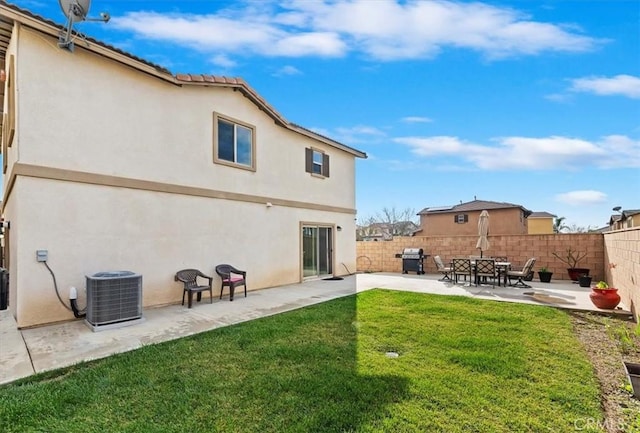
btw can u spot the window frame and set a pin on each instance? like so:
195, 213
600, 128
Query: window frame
311, 164
235, 122
461, 218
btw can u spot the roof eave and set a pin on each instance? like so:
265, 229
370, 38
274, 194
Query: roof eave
52, 29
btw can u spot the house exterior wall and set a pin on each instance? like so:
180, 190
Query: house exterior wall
501, 222
540, 226
113, 169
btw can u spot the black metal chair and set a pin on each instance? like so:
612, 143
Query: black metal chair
461, 267
502, 270
189, 277
232, 278
486, 268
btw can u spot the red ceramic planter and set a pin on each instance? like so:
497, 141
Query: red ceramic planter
606, 299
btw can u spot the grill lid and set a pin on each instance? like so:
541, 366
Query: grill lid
412, 253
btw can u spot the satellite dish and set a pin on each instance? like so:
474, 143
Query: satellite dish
617, 208
76, 11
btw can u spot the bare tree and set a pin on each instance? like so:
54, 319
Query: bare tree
574, 228
366, 228
389, 222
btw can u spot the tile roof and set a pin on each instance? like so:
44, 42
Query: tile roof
61, 27
242, 86
542, 214
10, 13
475, 205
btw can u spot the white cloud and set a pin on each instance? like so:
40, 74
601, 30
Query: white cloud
416, 119
581, 198
223, 61
526, 153
287, 71
358, 134
557, 97
383, 30
625, 85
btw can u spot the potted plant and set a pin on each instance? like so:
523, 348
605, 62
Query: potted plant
584, 280
604, 297
572, 258
544, 274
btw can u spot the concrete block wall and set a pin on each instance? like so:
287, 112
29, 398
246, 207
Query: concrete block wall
622, 251
380, 256
620, 248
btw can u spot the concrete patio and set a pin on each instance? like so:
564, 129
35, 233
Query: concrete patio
29, 351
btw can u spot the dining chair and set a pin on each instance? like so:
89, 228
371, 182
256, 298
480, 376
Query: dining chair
445, 270
501, 269
461, 267
486, 268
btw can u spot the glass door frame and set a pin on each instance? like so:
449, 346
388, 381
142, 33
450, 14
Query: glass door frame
323, 250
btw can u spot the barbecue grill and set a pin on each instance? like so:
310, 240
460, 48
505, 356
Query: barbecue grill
412, 260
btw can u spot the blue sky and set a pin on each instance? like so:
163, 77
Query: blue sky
522, 101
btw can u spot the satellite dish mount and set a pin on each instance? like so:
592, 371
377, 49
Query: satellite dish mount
76, 11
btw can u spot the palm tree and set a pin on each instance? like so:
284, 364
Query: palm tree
558, 225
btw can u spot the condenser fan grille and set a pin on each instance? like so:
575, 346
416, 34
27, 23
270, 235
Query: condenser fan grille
113, 298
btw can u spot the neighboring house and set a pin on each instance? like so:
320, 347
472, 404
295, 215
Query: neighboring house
385, 231
541, 223
112, 163
625, 219
462, 219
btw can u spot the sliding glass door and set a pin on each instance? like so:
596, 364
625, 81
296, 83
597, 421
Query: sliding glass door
317, 247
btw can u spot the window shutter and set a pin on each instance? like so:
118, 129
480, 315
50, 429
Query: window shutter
325, 165
308, 155
466, 218
455, 218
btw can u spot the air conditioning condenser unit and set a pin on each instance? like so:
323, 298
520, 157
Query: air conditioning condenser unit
114, 299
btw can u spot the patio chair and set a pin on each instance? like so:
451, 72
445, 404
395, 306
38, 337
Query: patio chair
502, 270
486, 268
461, 267
445, 270
521, 275
232, 278
189, 277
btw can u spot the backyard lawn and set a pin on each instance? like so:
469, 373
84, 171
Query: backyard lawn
462, 365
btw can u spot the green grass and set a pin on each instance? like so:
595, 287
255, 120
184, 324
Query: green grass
465, 365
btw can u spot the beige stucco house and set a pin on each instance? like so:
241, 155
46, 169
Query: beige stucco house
113, 163
462, 219
625, 219
541, 223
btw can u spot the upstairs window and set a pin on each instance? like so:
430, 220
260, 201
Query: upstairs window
461, 218
316, 162
233, 142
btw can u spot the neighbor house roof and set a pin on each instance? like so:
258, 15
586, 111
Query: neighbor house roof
472, 206
623, 215
542, 215
10, 13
